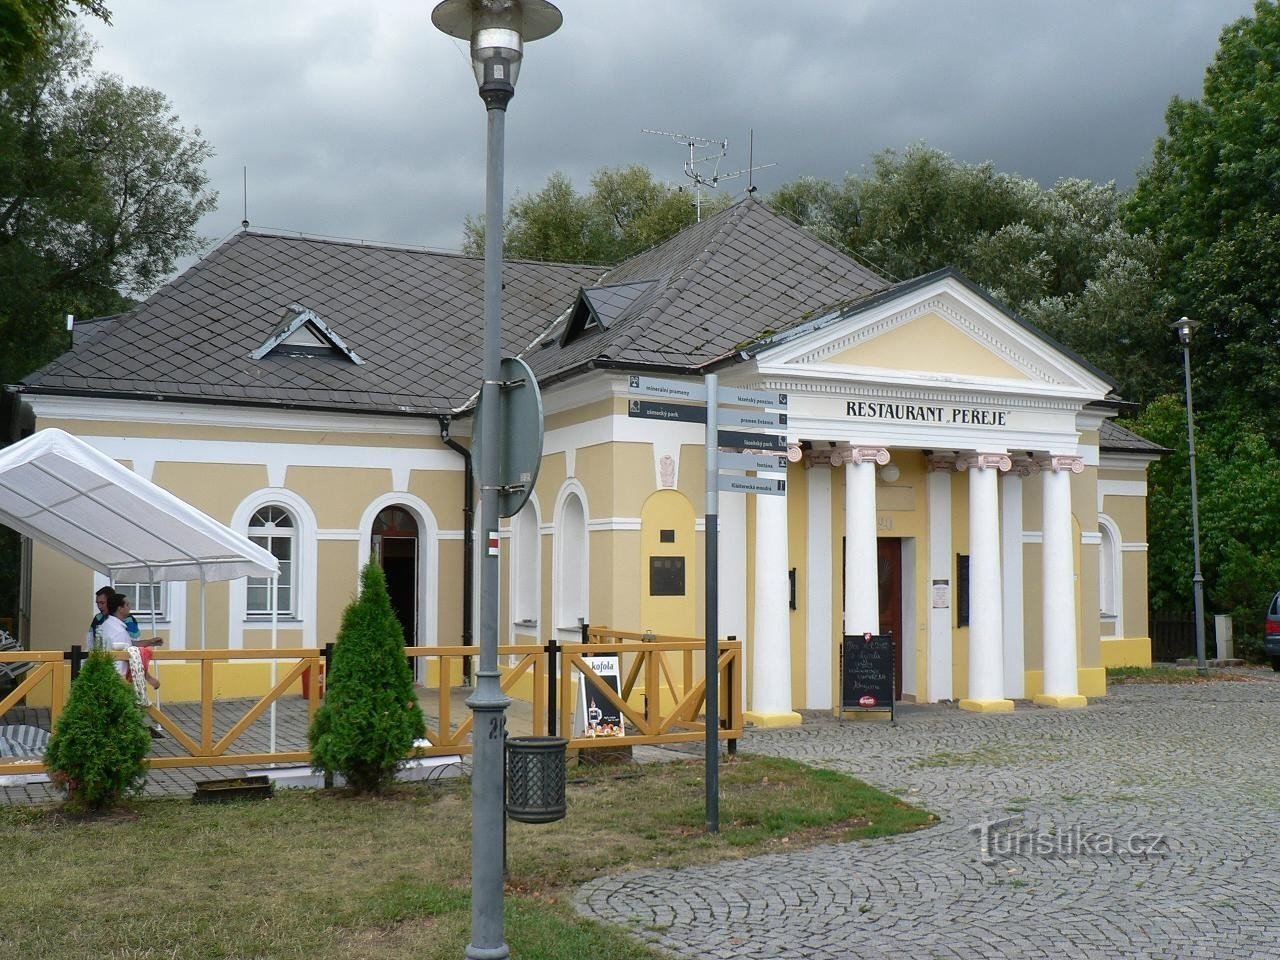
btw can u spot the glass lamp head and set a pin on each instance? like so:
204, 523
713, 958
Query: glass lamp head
497, 31
1184, 326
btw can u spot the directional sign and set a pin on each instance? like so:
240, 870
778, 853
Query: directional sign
657, 410
731, 484
753, 418
753, 461
751, 398
738, 440
668, 389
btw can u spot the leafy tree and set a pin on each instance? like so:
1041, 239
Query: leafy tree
626, 211
98, 747
100, 191
370, 716
26, 27
1209, 197
1239, 503
1060, 256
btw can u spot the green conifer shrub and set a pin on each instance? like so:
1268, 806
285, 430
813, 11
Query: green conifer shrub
100, 741
370, 715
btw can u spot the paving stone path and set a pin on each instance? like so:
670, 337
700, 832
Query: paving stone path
1192, 769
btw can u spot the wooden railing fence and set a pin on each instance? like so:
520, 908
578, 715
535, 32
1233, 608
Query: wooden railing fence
661, 696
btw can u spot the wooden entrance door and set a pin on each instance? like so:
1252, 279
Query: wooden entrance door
889, 562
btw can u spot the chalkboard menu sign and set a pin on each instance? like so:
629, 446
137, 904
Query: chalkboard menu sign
866, 672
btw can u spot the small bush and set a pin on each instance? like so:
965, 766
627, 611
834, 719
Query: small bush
98, 746
370, 716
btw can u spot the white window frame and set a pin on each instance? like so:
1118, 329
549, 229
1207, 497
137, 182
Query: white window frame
304, 603
265, 536
134, 590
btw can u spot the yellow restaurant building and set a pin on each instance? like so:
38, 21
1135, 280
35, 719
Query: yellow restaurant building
953, 475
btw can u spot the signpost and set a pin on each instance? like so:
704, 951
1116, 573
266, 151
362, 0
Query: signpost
758, 451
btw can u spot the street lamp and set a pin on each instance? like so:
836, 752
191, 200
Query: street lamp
1185, 326
497, 31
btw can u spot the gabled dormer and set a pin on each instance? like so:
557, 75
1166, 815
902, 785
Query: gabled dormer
301, 333
598, 308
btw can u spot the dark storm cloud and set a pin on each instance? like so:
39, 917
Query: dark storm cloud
362, 121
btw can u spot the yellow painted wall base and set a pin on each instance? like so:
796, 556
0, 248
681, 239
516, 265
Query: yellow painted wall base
987, 706
1090, 681
788, 719
1126, 651
1063, 702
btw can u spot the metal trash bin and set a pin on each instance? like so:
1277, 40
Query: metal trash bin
535, 778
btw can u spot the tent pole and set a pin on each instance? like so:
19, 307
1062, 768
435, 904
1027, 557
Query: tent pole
151, 587
275, 619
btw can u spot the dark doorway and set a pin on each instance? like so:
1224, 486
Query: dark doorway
889, 561
889, 564
395, 547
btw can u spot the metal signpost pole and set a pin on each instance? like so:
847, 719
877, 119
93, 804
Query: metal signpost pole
713, 600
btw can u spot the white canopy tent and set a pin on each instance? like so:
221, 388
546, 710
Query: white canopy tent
60, 491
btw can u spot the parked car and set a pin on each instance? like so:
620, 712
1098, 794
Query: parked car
1271, 636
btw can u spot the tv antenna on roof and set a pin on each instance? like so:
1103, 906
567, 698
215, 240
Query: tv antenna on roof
704, 170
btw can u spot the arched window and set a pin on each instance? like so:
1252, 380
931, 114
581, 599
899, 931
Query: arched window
571, 562
526, 568
273, 528
1109, 577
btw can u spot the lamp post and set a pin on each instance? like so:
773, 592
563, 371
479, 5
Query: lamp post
497, 31
1185, 326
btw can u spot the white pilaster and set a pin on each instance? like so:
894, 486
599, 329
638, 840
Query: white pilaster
939, 492
1061, 686
733, 575
986, 653
1011, 570
771, 660
818, 582
861, 573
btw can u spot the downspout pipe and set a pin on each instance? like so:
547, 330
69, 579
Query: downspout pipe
468, 541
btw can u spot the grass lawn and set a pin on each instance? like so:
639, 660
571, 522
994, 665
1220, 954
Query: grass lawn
320, 875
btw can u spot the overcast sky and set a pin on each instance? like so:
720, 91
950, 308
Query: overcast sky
359, 119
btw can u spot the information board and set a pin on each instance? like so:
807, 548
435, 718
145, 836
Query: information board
866, 673
596, 715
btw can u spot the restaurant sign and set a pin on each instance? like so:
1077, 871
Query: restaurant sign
926, 413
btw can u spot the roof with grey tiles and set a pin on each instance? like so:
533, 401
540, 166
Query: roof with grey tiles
415, 317
1114, 438
732, 279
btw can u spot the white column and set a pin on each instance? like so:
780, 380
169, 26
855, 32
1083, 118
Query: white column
819, 643
1061, 686
861, 569
986, 633
940, 582
1011, 571
733, 576
771, 658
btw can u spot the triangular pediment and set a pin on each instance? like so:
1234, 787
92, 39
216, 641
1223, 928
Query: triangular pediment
939, 330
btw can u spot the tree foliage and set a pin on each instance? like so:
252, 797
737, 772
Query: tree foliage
100, 191
1061, 257
98, 747
1211, 197
1239, 502
27, 26
625, 211
370, 716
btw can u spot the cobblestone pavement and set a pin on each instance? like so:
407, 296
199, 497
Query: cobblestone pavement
1197, 766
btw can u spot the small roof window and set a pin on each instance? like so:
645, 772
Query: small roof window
301, 333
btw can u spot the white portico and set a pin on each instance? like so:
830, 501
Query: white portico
944, 490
